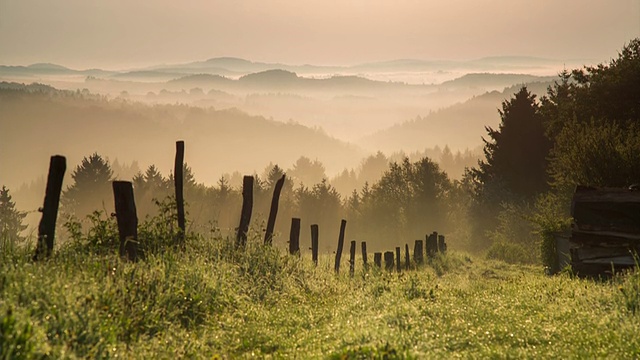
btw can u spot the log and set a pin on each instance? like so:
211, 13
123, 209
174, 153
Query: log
179, 188
343, 225
314, 243
127, 219
47, 226
275, 200
245, 214
352, 258
388, 260
606, 209
377, 259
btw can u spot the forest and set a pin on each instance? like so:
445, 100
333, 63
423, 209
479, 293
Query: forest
499, 210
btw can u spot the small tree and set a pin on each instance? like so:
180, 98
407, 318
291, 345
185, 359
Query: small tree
10, 219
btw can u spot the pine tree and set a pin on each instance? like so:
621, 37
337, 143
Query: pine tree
10, 219
91, 190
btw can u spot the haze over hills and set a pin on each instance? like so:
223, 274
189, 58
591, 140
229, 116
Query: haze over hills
404, 70
40, 121
223, 104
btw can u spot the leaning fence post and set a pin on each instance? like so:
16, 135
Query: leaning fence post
314, 243
127, 219
377, 259
398, 263
271, 223
418, 252
294, 237
364, 255
47, 226
388, 260
178, 179
343, 225
247, 207
407, 261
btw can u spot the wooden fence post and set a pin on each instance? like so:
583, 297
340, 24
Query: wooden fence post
432, 244
127, 219
178, 179
247, 207
407, 261
343, 225
418, 252
398, 262
352, 258
47, 226
271, 223
314, 243
294, 237
377, 259
442, 246
388, 260
364, 255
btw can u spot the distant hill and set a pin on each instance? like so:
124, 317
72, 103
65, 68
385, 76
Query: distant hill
460, 126
38, 124
493, 81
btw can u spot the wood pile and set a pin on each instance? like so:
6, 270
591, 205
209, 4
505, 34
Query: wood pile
605, 235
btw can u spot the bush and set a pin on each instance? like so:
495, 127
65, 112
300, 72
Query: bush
513, 239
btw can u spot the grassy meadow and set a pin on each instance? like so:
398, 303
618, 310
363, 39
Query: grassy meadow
212, 301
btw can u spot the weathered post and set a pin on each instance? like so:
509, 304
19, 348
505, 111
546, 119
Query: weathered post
271, 223
432, 244
364, 255
407, 261
388, 260
343, 225
442, 246
47, 226
294, 237
247, 207
127, 219
377, 259
314, 243
178, 179
352, 258
418, 252
398, 263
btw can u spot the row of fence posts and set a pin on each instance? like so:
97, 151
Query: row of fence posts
127, 220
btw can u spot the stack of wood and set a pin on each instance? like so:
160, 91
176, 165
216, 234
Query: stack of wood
605, 234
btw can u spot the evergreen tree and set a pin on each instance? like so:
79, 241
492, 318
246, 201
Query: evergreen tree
91, 190
516, 154
10, 219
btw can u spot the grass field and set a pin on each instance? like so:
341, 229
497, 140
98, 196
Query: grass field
213, 301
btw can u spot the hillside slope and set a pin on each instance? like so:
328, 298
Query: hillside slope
40, 121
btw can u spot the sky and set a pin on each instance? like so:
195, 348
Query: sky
121, 34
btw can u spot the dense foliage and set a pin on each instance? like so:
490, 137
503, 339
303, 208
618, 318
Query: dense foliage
585, 131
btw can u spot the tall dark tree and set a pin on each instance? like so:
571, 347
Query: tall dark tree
91, 189
516, 153
10, 219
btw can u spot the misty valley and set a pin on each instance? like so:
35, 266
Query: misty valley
228, 208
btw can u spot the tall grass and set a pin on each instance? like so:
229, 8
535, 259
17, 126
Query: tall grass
214, 300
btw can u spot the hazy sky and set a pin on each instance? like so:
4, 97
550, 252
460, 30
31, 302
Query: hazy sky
125, 33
